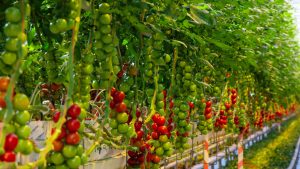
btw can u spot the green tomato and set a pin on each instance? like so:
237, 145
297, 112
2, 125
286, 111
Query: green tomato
163, 138
57, 158
21, 102
26, 147
80, 149
69, 151
12, 44
74, 162
88, 69
130, 132
105, 19
9, 128
9, 58
61, 24
12, 30
23, 132
61, 167
182, 115
169, 152
13, 14
113, 123
167, 146
123, 128
22, 117
159, 151
122, 117
107, 39
84, 158
104, 8
105, 29
82, 115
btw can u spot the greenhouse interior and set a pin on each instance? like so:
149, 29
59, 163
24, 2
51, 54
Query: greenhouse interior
150, 84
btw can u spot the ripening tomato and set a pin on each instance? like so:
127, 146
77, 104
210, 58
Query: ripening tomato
74, 111
73, 125
139, 134
11, 142
121, 107
57, 145
156, 159
56, 116
4, 82
73, 138
208, 104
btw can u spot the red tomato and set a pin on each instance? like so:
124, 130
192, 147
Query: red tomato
171, 104
132, 154
8, 156
227, 105
149, 157
119, 96
112, 104
191, 104
208, 104
156, 159
57, 145
11, 142
4, 82
222, 112
138, 125
113, 91
141, 158
161, 121
44, 86
233, 91
139, 134
207, 110
2, 100
73, 125
138, 113
62, 134
74, 111
155, 117
163, 130
56, 116
154, 135
55, 87
154, 126
73, 138
121, 107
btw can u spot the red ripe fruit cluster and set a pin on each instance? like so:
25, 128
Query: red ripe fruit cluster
137, 157
233, 96
69, 132
221, 121
208, 110
117, 103
158, 127
11, 142
236, 120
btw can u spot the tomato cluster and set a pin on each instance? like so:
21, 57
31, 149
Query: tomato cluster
17, 139
161, 145
67, 152
64, 23
105, 49
205, 120
137, 158
119, 115
15, 40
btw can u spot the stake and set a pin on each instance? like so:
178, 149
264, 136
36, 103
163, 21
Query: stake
240, 152
205, 152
